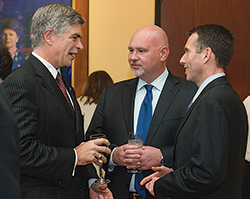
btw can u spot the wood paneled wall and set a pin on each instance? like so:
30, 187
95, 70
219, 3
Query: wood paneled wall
80, 65
179, 16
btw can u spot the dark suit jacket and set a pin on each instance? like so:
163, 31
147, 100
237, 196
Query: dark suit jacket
48, 133
114, 117
9, 150
210, 147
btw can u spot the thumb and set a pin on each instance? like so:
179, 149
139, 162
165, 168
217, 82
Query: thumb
103, 187
100, 197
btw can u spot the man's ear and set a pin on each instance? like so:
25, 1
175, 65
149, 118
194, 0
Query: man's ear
48, 36
164, 52
207, 55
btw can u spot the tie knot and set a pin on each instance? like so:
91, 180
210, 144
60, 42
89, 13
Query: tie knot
148, 87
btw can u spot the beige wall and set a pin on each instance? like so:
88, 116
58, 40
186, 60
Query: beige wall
111, 25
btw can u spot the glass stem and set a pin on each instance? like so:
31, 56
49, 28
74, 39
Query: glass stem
100, 172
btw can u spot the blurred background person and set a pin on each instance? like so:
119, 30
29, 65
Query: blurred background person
6, 63
11, 31
91, 93
246, 176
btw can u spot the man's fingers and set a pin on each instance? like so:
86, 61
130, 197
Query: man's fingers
145, 180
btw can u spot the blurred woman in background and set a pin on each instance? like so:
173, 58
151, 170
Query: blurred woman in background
92, 90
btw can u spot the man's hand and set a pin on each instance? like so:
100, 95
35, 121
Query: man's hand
150, 180
100, 192
90, 152
121, 158
149, 157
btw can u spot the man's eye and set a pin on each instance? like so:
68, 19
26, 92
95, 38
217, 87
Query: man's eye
131, 50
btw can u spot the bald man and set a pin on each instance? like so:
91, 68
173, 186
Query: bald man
119, 106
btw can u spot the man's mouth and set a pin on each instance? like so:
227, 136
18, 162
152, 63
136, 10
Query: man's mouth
134, 64
72, 55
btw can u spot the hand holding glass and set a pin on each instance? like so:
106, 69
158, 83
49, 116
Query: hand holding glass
135, 138
101, 179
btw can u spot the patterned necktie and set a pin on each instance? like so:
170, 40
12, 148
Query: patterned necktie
144, 120
60, 83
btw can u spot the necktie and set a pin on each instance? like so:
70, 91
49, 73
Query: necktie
144, 120
60, 83
190, 104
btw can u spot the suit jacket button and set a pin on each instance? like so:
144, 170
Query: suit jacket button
81, 190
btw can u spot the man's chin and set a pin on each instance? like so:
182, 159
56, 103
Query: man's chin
138, 73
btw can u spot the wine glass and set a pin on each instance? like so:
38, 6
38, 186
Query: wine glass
101, 179
135, 138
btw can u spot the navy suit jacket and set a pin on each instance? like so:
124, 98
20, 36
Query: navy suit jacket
209, 148
49, 131
114, 117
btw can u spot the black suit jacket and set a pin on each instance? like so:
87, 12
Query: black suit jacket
49, 131
210, 147
114, 117
9, 150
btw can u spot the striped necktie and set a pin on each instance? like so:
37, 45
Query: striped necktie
60, 83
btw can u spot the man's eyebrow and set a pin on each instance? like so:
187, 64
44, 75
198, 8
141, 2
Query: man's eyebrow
138, 48
76, 35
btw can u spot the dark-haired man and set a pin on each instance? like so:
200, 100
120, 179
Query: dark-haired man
210, 145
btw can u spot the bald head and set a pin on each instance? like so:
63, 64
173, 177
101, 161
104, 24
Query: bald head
154, 33
148, 52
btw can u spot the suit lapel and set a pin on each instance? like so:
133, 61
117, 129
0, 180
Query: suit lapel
49, 82
128, 98
166, 98
78, 114
214, 83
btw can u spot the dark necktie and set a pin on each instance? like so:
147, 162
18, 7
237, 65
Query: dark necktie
60, 83
144, 120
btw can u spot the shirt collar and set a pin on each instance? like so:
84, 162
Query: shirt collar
158, 83
206, 82
49, 66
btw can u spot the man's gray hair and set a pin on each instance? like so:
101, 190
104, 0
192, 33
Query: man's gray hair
57, 17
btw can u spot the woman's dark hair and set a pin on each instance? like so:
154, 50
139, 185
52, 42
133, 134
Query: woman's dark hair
94, 85
6, 62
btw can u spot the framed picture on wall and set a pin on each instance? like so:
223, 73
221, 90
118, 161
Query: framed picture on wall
15, 16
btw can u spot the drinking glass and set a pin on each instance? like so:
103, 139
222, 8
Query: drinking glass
135, 138
101, 174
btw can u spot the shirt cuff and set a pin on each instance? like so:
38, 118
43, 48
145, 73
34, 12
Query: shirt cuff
73, 173
91, 181
111, 163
